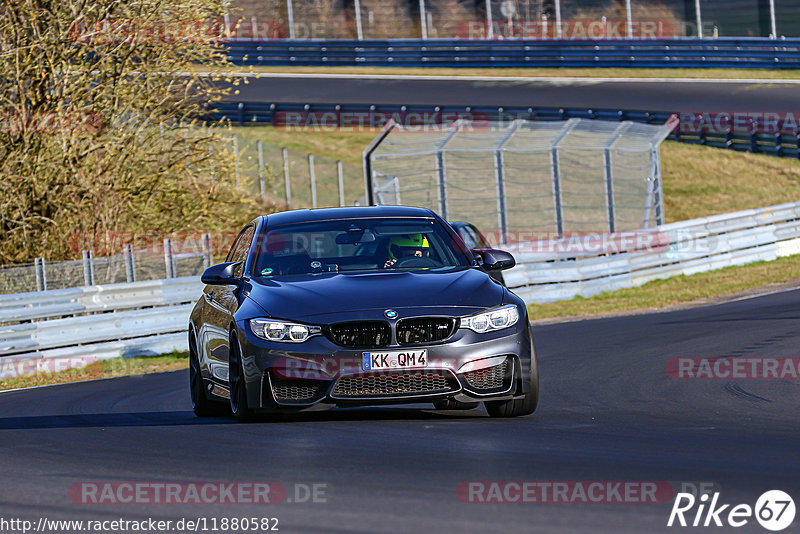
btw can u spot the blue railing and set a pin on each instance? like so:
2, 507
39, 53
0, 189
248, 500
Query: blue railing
310, 116
680, 53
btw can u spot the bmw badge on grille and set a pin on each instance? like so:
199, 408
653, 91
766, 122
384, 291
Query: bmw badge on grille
391, 314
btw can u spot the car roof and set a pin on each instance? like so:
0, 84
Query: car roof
352, 212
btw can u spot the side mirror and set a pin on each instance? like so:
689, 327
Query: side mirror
496, 260
221, 274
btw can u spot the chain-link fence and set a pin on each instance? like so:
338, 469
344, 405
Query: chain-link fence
520, 180
295, 179
510, 19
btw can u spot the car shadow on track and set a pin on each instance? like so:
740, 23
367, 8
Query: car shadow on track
180, 418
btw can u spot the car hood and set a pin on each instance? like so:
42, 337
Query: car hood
348, 296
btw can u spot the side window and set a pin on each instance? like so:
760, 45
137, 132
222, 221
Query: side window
467, 236
479, 239
242, 247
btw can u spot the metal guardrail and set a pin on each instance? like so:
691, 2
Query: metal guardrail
57, 329
558, 270
753, 52
773, 144
81, 325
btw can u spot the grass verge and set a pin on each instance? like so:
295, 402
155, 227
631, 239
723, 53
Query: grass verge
679, 291
749, 74
102, 369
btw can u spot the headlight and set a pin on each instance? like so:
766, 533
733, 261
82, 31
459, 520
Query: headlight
274, 330
488, 321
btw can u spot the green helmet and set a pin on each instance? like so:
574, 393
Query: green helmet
408, 241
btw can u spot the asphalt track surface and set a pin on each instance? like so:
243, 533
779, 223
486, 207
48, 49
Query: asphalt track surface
659, 95
608, 412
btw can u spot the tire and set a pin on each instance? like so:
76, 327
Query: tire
239, 408
450, 404
201, 405
525, 405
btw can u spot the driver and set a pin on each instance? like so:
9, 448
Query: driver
406, 246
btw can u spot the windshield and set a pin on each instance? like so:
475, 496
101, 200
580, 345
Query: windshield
350, 245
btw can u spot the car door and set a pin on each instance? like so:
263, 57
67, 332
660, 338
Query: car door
221, 302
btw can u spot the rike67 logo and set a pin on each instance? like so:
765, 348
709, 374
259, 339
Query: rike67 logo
774, 510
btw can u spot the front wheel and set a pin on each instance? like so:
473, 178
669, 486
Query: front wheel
201, 406
239, 408
525, 405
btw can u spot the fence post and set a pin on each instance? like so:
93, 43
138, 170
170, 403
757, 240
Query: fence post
609, 176
773, 26
130, 264
236, 160
169, 259
489, 22
41, 275
359, 30
261, 185
88, 268
313, 177
208, 253
423, 22
340, 176
555, 171
698, 18
499, 174
558, 18
290, 13
629, 18
286, 179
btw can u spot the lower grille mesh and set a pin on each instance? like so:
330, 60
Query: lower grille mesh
394, 383
489, 377
297, 390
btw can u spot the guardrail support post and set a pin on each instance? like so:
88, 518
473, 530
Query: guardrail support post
130, 264
169, 259
286, 179
340, 176
88, 268
41, 275
313, 177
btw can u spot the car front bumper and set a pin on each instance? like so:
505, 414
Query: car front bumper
318, 373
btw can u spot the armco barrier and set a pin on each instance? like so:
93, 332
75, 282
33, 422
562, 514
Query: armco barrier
647, 53
244, 113
557, 270
81, 325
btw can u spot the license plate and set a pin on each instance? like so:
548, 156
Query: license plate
406, 359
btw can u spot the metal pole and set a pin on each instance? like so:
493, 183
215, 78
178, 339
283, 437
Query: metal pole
130, 264
489, 22
423, 22
359, 30
499, 173
772, 19
313, 176
630, 18
236, 160
261, 185
290, 10
366, 158
340, 176
441, 177
558, 18
41, 275
657, 189
555, 171
286, 179
208, 253
699, 18
168, 258
88, 268
609, 176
